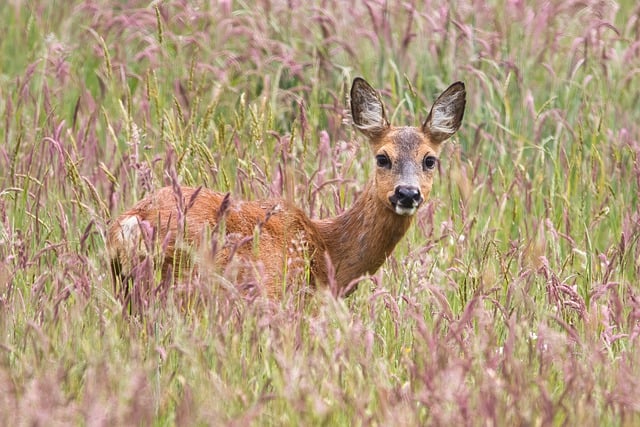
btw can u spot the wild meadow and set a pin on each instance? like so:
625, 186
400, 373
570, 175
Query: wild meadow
513, 300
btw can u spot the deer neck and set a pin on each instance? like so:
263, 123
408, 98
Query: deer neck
359, 240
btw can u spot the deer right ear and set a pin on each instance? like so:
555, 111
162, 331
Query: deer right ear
367, 109
446, 114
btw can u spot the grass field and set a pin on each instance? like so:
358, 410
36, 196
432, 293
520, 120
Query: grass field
513, 300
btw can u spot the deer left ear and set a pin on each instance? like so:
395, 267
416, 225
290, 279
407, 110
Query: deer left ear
446, 114
367, 109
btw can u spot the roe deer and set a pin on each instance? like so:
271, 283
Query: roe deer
277, 243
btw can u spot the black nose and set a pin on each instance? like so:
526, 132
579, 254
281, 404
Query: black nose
407, 195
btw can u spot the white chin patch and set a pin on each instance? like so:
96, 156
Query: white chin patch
405, 211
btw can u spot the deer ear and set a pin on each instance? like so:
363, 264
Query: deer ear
367, 109
446, 114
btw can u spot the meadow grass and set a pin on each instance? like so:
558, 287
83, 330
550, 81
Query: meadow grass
513, 300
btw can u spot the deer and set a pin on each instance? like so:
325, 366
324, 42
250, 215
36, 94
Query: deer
274, 245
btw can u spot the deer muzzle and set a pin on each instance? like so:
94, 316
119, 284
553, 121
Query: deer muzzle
406, 199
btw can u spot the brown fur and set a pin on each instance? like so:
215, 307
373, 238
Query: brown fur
277, 245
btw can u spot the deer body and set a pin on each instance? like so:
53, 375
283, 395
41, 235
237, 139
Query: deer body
275, 245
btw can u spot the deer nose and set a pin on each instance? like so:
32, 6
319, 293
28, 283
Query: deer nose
407, 195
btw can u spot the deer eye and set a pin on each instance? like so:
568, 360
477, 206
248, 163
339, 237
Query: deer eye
429, 162
383, 161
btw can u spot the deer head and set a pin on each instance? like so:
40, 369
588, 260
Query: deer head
406, 156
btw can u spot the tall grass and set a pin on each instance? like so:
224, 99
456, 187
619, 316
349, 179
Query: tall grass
514, 299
